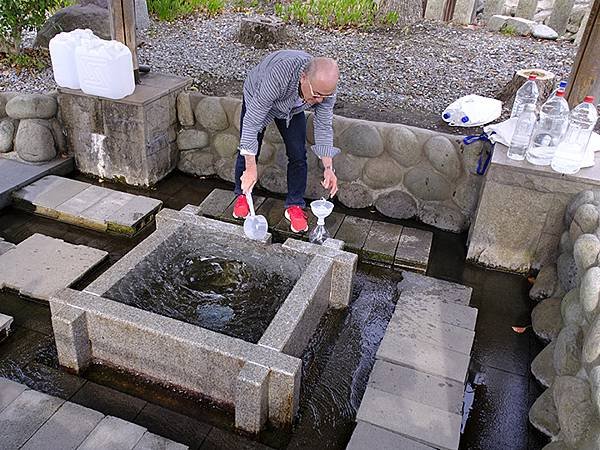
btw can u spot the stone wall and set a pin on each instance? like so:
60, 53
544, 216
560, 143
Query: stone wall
568, 318
29, 126
402, 171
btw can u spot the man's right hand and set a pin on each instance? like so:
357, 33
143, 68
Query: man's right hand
250, 175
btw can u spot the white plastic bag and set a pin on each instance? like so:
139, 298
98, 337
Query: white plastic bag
472, 110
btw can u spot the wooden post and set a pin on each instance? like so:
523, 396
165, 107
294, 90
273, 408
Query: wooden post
585, 74
122, 28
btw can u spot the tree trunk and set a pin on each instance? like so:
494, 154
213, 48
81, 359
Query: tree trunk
409, 11
545, 82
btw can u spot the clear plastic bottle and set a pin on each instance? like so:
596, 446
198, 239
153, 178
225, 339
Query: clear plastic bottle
522, 134
562, 86
571, 151
527, 94
549, 130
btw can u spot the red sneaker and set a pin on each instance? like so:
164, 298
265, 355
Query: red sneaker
241, 208
297, 218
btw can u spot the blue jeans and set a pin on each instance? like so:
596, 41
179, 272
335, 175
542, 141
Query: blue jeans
294, 138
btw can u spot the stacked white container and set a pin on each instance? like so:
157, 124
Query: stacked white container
62, 54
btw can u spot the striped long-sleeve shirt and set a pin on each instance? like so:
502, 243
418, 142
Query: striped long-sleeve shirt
271, 91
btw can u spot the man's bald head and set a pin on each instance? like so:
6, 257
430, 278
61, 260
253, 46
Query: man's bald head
322, 68
322, 75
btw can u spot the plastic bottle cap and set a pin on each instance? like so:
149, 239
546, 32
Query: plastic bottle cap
560, 93
533, 77
464, 119
562, 84
589, 99
446, 115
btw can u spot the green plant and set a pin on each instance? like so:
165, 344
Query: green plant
172, 9
30, 59
509, 31
391, 18
329, 13
19, 15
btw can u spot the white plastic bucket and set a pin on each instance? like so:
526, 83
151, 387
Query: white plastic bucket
105, 68
62, 54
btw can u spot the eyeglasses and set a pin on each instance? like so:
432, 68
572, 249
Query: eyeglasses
312, 93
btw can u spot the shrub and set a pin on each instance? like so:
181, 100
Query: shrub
19, 15
172, 9
331, 13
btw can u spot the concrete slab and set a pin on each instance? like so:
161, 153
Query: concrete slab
332, 223
9, 390
102, 210
432, 426
413, 249
83, 200
367, 436
227, 215
113, 433
66, 429
354, 232
428, 287
151, 441
215, 203
5, 322
16, 174
424, 356
133, 213
50, 191
417, 386
381, 243
273, 210
414, 324
41, 266
22, 418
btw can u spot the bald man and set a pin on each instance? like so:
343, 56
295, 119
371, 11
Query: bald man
280, 88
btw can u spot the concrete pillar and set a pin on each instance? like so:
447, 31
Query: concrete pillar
463, 11
559, 18
71, 336
493, 8
252, 398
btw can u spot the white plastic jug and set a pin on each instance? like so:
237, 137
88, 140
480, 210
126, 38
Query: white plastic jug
62, 54
105, 68
472, 110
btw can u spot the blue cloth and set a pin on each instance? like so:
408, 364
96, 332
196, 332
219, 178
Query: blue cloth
294, 138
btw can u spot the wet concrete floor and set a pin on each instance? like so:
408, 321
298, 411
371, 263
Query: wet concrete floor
499, 393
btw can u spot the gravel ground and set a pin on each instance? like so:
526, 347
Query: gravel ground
406, 76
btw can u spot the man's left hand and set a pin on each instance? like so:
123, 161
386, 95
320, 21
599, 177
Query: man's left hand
330, 181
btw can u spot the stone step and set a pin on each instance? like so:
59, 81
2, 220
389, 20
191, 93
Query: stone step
426, 288
5, 323
379, 243
367, 436
86, 205
41, 266
32, 420
16, 174
414, 420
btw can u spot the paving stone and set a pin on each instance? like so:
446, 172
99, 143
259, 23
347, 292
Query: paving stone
5, 246
50, 191
102, 210
9, 390
21, 419
424, 356
113, 433
414, 324
66, 429
83, 200
151, 441
438, 310
413, 249
15, 174
215, 203
438, 428
273, 210
40, 265
354, 232
420, 387
381, 242
109, 401
135, 211
5, 322
367, 436
431, 288
333, 222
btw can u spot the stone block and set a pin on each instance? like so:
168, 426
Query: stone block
61, 263
136, 210
354, 232
435, 427
437, 309
426, 288
66, 429
366, 436
464, 10
424, 357
9, 391
24, 416
216, 203
522, 27
105, 207
397, 204
50, 191
5, 322
31, 106
262, 31
526, 9
252, 398
434, 10
185, 113
542, 366
419, 387
382, 240
150, 441
113, 432
559, 18
413, 249
74, 206
71, 336
109, 401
